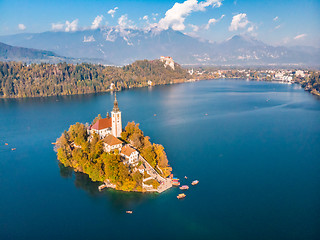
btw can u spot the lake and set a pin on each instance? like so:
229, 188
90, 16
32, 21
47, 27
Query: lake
254, 147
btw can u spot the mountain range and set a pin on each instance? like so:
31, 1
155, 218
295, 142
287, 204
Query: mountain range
117, 46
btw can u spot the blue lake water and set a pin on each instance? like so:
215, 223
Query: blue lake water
254, 147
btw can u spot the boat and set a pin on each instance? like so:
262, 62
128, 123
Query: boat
175, 179
175, 183
181, 195
185, 177
12, 149
184, 187
195, 182
129, 212
6, 144
53, 143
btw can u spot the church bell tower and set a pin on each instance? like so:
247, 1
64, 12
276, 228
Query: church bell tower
116, 119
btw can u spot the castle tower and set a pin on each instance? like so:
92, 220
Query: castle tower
116, 119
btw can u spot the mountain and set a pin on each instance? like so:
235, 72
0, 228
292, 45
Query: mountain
114, 45
11, 53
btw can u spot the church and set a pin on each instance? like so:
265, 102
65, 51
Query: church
109, 129
109, 125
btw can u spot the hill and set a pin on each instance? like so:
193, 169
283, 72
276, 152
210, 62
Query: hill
37, 80
11, 53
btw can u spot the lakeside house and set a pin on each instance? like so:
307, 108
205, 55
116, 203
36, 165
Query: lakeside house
130, 155
110, 143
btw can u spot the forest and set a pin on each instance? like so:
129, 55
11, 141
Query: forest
19, 80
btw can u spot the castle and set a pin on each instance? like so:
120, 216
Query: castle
109, 129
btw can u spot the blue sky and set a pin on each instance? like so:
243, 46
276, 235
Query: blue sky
274, 22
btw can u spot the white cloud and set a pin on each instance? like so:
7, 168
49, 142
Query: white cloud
195, 28
277, 27
89, 39
21, 26
300, 36
145, 17
112, 11
238, 21
276, 18
57, 26
213, 21
176, 15
251, 28
71, 26
124, 22
96, 22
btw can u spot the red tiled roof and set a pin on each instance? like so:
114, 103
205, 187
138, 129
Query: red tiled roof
102, 124
111, 140
127, 150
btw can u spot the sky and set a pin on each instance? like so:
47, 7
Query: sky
276, 22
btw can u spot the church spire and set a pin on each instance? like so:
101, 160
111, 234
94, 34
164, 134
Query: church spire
115, 104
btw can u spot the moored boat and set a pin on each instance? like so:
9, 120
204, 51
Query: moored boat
174, 183
195, 182
184, 187
181, 195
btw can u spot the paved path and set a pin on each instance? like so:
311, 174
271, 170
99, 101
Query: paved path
165, 183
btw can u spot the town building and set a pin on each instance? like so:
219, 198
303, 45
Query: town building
130, 155
110, 143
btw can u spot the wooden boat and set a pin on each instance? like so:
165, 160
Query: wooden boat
184, 187
181, 195
175, 183
129, 212
195, 182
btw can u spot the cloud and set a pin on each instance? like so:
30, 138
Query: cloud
57, 26
277, 27
195, 28
96, 22
145, 17
71, 26
300, 36
89, 39
238, 21
176, 15
213, 21
124, 22
276, 18
21, 26
112, 11
251, 28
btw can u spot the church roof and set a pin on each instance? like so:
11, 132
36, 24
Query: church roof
102, 124
127, 150
112, 140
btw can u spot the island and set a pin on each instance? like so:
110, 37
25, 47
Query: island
120, 159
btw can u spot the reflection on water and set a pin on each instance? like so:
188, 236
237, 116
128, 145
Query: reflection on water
118, 199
